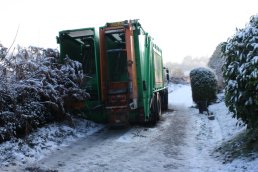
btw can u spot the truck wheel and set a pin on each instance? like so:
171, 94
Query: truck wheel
165, 100
154, 110
158, 105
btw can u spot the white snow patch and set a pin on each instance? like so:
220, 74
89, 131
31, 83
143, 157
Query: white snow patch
134, 135
138, 134
227, 123
181, 96
44, 141
242, 165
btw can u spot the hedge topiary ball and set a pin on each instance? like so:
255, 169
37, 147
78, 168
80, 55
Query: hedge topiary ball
204, 85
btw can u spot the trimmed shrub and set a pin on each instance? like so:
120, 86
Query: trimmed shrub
204, 87
241, 73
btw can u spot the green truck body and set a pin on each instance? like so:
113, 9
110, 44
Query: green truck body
124, 69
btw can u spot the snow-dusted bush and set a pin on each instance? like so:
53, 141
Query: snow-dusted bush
3, 51
216, 62
241, 73
35, 90
204, 86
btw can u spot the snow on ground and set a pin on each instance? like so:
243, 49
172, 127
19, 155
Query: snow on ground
182, 141
202, 135
45, 141
205, 135
140, 134
228, 124
180, 95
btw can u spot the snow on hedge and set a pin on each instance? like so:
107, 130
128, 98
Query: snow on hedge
241, 73
35, 89
44, 141
204, 85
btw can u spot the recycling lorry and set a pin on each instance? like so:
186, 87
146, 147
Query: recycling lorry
124, 72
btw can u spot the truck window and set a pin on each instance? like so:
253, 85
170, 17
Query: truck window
87, 53
117, 56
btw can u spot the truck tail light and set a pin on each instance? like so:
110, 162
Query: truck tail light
118, 99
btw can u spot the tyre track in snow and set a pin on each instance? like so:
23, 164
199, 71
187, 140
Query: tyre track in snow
201, 134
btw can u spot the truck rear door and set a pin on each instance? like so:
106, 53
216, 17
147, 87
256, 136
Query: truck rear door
118, 71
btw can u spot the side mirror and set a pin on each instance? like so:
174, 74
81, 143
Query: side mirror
167, 74
57, 40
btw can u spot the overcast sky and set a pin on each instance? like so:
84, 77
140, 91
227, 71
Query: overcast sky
180, 27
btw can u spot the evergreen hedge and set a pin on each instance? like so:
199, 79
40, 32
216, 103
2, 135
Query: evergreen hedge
241, 73
204, 86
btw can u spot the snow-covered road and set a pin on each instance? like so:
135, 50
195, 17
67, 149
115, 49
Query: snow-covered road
162, 148
183, 140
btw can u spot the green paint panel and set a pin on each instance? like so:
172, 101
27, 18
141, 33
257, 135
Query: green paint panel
83, 45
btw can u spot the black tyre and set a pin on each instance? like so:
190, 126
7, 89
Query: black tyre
165, 100
154, 110
158, 105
